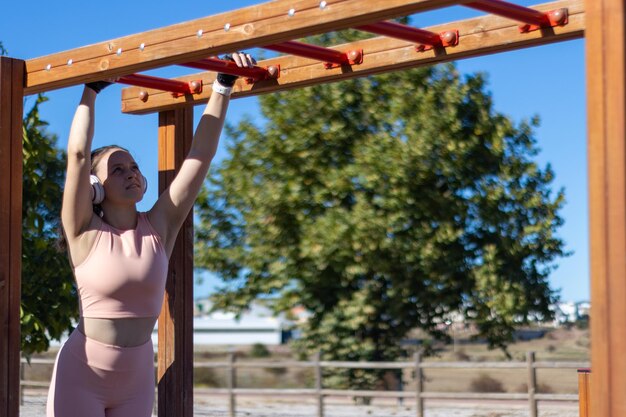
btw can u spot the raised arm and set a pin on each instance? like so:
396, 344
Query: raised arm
172, 207
77, 211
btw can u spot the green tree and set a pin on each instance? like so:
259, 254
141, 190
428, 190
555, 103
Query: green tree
48, 302
381, 205
48, 293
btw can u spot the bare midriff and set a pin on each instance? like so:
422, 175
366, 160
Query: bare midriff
124, 332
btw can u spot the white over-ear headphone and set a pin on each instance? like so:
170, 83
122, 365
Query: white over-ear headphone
98, 188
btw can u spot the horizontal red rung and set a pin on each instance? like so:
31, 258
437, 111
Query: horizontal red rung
310, 51
229, 67
512, 11
399, 31
147, 81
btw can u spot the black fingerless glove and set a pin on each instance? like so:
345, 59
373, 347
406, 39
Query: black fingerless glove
98, 86
227, 80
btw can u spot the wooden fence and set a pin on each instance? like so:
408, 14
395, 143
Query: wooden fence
418, 394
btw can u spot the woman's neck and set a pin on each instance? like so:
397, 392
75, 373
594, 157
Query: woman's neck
121, 218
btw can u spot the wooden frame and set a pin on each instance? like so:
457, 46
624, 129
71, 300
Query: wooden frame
252, 26
602, 22
175, 353
480, 36
606, 110
11, 93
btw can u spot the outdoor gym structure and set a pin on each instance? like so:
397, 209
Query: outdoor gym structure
275, 25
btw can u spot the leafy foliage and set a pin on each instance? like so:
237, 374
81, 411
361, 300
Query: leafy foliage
381, 205
259, 350
48, 302
48, 293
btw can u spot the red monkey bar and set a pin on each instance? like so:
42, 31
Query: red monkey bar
533, 19
331, 57
229, 67
178, 88
512, 11
411, 34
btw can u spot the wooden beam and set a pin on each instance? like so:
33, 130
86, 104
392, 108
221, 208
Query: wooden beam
479, 36
175, 349
266, 23
11, 97
606, 111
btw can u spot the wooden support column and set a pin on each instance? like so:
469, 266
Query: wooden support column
175, 348
11, 96
605, 54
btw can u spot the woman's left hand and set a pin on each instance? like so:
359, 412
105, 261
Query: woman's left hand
243, 60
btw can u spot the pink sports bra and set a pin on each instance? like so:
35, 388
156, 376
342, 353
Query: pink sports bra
124, 274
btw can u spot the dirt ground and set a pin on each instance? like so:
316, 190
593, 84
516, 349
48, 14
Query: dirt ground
216, 406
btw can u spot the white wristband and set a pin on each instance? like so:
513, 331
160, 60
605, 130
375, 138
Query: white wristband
220, 89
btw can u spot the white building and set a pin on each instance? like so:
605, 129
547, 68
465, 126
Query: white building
257, 325
570, 312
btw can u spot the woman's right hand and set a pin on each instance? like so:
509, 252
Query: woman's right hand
98, 86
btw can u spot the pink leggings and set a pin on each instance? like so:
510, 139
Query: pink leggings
93, 379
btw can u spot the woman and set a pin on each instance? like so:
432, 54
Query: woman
120, 259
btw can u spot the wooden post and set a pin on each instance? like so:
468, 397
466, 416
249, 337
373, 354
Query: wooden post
419, 388
583, 392
319, 384
532, 384
175, 349
21, 385
11, 107
606, 110
232, 383
155, 406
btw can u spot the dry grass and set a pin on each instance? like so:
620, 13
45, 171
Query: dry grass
485, 383
556, 345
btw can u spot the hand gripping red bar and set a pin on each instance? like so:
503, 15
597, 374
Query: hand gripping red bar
228, 67
332, 58
177, 88
425, 38
533, 19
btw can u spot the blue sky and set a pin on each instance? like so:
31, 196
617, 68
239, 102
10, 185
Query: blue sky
547, 81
